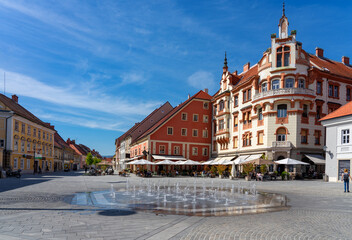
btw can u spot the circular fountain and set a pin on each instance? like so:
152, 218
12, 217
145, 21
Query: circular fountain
189, 199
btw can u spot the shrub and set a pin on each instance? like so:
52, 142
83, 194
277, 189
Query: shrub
263, 168
247, 168
221, 169
284, 175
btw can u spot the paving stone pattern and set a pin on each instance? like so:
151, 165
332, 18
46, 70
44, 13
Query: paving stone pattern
37, 207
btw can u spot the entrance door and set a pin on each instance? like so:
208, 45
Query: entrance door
342, 165
35, 166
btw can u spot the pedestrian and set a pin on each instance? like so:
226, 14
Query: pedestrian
40, 170
346, 180
85, 169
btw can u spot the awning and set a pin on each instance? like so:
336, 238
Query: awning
254, 156
222, 160
169, 157
241, 159
317, 159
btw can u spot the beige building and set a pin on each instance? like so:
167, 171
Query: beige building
273, 107
29, 141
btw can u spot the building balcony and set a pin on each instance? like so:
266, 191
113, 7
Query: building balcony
281, 144
283, 91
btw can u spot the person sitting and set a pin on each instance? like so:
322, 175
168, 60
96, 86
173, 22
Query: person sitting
259, 177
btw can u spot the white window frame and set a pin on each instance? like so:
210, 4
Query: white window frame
205, 118
205, 151
15, 163
162, 152
185, 132
184, 114
205, 133
28, 164
194, 131
345, 136
172, 131
178, 150
197, 116
22, 164
194, 151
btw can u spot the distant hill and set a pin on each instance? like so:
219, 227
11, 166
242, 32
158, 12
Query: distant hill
108, 156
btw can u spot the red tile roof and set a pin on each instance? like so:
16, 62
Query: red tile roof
200, 95
342, 111
155, 114
248, 75
59, 141
21, 111
331, 66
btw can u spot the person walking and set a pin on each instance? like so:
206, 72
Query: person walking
346, 180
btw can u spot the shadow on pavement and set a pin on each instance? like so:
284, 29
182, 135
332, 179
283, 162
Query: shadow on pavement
7, 184
116, 212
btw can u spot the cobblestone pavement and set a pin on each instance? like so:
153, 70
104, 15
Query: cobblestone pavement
37, 207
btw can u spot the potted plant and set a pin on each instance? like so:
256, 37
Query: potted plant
284, 175
221, 169
247, 168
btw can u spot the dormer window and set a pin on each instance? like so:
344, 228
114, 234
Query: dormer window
283, 56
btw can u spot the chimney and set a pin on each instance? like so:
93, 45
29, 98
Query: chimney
189, 96
319, 52
15, 98
73, 141
68, 141
246, 67
345, 60
206, 90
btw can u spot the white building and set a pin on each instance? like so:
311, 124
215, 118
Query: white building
338, 141
273, 107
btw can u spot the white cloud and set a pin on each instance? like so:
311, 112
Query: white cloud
133, 78
74, 96
201, 79
89, 122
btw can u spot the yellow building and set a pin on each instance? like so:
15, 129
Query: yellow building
29, 141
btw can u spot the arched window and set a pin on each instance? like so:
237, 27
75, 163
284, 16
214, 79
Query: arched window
221, 105
283, 56
289, 83
301, 83
281, 134
282, 111
264, 87
275, 84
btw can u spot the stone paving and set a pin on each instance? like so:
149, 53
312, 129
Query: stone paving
37, 207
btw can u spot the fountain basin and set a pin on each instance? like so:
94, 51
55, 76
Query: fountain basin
200, 202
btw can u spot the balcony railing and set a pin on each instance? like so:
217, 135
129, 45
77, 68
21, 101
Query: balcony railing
281, 144
283, 91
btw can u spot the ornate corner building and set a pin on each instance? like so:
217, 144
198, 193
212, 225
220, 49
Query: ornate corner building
274, 107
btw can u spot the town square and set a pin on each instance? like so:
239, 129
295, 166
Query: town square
175, 120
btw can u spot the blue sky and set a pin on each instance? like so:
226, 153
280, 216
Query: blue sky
94, 68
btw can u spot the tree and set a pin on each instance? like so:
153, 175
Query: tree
89, 159
96, 160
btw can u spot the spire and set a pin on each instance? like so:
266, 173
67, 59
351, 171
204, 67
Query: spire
225, 61
283, 8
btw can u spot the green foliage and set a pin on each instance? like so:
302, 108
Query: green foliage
284, 175
89, 159
263, 168
213, 169
247, 168
96, 160
221, 169
293, 32
273, 35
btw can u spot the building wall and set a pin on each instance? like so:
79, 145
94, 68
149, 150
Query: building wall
23, 158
